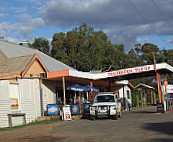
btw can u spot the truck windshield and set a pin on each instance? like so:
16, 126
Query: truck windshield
105, 98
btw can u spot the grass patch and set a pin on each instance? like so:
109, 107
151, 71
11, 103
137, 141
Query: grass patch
52, 120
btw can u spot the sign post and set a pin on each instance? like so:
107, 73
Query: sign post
160, 105
66, 113
165, 94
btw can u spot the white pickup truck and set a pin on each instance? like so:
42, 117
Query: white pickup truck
105, 105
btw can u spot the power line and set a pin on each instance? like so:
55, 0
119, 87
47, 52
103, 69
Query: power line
139, 13
161, 13
145, 20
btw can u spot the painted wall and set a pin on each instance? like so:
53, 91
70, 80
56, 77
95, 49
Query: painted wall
30, 98
126, 96
4, 104
169, 88
49, 95
27, 92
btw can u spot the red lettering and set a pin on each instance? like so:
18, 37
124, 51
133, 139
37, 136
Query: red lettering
109, 74
114, 73
136, 70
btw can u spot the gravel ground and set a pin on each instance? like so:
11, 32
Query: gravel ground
142, 125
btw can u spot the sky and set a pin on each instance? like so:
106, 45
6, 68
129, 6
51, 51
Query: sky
127, 22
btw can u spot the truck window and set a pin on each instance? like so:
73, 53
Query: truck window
106, 98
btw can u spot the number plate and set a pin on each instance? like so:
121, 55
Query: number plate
103, 111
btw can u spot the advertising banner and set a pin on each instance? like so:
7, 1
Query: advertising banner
52, 109
160, 108
67, 113
87, 108
75, 109
14, 103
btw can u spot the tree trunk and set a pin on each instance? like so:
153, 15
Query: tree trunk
137, 101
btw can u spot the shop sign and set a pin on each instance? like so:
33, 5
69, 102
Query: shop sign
169, 88
14, 103
129, 71
87, 108
67, 113
165, 83
52, 109
75, 109
160, 108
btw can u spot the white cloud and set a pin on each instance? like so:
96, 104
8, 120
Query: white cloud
23, 28
138, 40
118, 18
2, 15
20, 9
11, 39
170, 40
146, 39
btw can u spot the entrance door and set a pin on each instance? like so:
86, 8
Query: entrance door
14, 96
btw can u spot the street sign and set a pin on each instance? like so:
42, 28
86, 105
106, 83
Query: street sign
165, 83
160, 108
67, 113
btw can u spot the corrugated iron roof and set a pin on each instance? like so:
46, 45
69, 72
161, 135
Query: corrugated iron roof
14, 50
15, 64
2, 56
144, 85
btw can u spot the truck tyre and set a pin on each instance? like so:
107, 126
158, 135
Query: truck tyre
115, 117
92, 117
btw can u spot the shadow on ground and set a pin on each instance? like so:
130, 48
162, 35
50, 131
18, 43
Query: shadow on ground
164, 128
160, 140
143, 111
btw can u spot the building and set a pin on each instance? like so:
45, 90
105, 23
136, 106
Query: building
148, 96
125, 95
30, 79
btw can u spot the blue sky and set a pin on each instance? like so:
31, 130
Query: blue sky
124, 21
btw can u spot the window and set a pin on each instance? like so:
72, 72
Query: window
128, 94
106, 98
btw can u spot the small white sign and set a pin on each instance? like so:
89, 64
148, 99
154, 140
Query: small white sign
67, 113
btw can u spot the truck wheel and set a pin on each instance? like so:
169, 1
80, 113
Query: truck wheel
92, 117
115, 117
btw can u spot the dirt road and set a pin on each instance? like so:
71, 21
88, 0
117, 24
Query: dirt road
143, 125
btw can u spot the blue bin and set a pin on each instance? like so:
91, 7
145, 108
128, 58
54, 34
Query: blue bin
75, 109
87, 108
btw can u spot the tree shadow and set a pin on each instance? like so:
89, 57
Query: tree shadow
160, 140
144, 111
165, 128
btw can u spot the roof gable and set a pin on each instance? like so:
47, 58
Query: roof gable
14, 50
16, 64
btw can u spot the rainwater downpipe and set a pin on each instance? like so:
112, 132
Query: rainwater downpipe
41, 96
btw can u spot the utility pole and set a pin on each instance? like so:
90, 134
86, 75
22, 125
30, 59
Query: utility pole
160, 105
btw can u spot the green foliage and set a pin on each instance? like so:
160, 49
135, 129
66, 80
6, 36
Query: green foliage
134, 93
41, 44
85, 49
